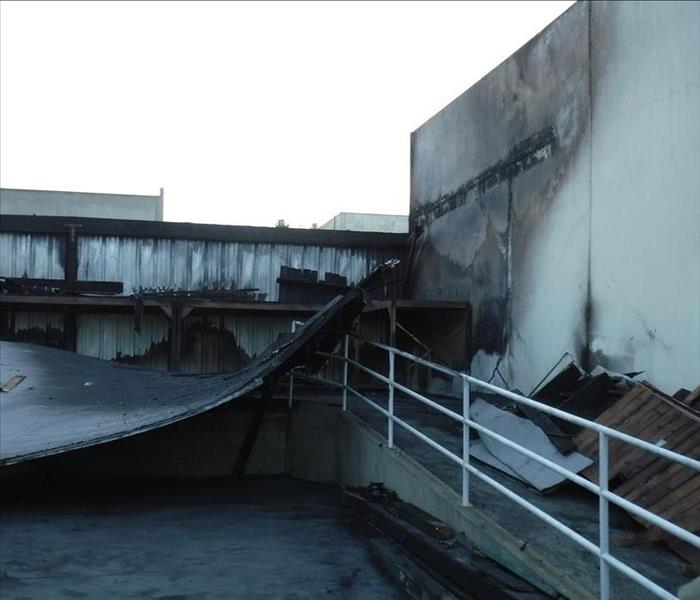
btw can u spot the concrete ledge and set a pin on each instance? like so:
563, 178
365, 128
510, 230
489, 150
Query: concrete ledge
363, 458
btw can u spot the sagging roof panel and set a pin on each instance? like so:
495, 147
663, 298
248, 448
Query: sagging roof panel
67, 401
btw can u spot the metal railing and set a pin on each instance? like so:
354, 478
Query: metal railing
605, 496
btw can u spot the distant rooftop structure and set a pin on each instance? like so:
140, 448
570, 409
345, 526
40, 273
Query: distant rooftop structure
348, 221
81, 204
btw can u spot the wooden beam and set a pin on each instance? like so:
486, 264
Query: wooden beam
127, 302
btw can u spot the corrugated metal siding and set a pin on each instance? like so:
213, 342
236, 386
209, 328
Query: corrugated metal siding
111, 337
31, 255
215, 344
212, 344
148, 264
44, 328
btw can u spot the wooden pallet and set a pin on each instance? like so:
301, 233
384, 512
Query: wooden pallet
663, 487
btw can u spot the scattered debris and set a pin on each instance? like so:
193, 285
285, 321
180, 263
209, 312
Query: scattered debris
383, 282
584, 395
561, 440
413, 580
12, 382
426, 565
692, 399
302, 286
26, 285
527, 434
667, 489
376, 492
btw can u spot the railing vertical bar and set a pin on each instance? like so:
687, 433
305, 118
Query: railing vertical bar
390, 433
291, 388
603, 520
465, 441
345, 373
602, 550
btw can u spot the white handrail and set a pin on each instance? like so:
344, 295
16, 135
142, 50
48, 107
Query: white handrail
546, 408
602, 550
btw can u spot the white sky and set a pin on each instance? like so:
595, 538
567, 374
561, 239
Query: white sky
244, 112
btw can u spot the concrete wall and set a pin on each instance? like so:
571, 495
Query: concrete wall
79, 204
560, 196
206, 445
645, 196
346, 221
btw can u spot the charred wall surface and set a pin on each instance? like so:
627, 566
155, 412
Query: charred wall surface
525, 204
174, 264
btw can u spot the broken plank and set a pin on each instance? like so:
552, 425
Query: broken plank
586, 400
12, 382
564, 382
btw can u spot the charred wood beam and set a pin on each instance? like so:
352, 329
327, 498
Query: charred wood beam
467, 582
26, 285
524, 155
127, 303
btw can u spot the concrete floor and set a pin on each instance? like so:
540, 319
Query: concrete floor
266, 538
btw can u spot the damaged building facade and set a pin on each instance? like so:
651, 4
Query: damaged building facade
173, 296
558, 196
491, 390
557, 199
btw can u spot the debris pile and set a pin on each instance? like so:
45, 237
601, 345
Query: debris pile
667, 489
426, 557
615, 400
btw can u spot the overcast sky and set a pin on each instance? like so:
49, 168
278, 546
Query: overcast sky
245, 113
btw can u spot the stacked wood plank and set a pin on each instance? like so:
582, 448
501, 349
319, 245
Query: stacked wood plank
664, 487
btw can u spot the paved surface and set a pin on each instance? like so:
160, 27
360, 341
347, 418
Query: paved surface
572, 505
270, 538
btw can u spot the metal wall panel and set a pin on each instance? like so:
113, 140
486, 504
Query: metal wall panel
212, 344
217, 344
112, 337
44, 328
171, 264
31, 255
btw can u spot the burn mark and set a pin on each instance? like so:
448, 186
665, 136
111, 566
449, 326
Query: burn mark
303, 285
209, 347
45, 334
489, 331
155, 357
523, 156
585, 351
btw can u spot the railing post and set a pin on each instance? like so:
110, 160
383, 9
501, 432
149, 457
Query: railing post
291, 373
603, 521
390, 433
345, 372
465, 441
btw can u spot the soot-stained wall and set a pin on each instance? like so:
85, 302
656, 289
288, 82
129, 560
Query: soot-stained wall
559, 196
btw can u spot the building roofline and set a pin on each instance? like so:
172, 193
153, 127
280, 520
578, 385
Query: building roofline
198, 231
34, 191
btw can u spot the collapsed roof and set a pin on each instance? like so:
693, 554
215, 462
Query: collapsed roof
61, 401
